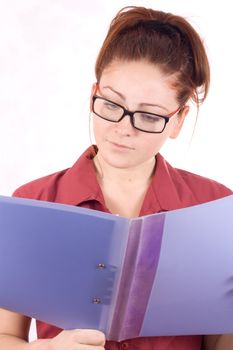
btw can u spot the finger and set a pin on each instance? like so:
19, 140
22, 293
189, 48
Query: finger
89, 347
89, 336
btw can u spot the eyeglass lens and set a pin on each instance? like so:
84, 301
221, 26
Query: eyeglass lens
141, 120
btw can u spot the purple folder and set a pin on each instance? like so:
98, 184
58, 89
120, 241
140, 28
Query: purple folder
163, 274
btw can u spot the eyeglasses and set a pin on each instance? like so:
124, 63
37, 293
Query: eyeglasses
143, 121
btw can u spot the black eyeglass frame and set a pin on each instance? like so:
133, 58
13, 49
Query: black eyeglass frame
131, 115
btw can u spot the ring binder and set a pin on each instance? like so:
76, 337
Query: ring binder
157, 275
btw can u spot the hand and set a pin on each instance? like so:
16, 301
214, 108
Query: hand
218, 342
78, 339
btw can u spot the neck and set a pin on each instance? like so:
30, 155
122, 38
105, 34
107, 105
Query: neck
138, 175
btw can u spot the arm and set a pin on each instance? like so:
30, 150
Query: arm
218, 342
14, 329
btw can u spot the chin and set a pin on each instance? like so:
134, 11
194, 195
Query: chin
118, 162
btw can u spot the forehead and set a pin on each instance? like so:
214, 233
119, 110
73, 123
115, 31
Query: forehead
137, 80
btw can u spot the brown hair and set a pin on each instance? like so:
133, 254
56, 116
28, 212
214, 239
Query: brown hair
164, 39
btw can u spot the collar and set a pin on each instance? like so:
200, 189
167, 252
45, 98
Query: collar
79, 184
162, 194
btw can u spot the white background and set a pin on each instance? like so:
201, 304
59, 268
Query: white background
47, 54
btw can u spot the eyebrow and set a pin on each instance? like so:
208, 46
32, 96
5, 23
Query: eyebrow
141, 104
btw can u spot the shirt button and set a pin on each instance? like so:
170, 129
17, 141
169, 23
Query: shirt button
124, 345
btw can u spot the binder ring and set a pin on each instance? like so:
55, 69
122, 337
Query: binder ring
101, 266
96, 300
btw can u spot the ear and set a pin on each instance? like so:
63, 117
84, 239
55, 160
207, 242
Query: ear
93, 92
179, 122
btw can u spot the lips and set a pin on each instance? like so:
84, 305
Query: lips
120, 146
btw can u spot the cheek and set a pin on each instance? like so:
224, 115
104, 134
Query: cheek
101, 128
98, 125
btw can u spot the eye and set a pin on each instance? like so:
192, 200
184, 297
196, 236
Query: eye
110, 106
149, 118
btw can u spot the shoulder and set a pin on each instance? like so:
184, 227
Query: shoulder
178, 188
202, 188
69, 186
44, 188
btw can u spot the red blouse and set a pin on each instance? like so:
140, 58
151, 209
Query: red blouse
170, 189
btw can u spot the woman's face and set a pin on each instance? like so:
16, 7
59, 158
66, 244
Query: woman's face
136, 85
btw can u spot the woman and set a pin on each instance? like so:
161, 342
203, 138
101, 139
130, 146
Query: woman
150, 66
